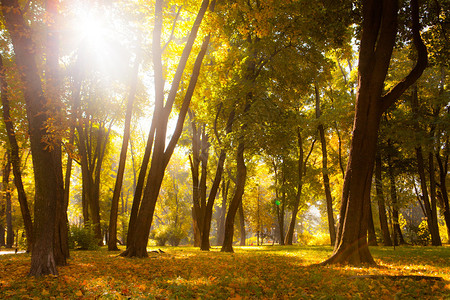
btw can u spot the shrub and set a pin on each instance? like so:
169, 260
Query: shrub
83, 238
168, 233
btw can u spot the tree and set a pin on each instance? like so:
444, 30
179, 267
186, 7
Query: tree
380, 200
326, 180
15, 159
112, 245
378, 35
45, 158
137, 242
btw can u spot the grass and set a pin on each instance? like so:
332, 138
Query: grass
271, 272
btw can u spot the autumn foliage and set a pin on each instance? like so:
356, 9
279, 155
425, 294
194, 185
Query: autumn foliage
269, 272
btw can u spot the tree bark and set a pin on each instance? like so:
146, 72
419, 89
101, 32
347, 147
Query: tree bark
15, 159
6, 191
371, 230
46, 172
381, 203
326, 179
398, 236
227, 245
242, 224
161, 153
435, 236
379, 30
223, 213
428, 205
213, 192
112, 242
443, 195
53, 93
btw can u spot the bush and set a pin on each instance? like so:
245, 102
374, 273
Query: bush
83, 238
168, 233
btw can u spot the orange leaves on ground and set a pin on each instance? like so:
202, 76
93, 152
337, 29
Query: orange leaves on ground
187, 273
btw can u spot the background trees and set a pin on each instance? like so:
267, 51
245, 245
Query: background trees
269, 89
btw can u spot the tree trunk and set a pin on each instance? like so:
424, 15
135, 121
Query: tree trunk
7, 200
326, 180
435, 236
223, 213
398, 236
379, 30
290, 232
213, 192
53, 94
371, 230
280, 215
242, 224
162, 154
112, 244
46, 166
15, 159
443, 195
227, 245
432, 226
381, 203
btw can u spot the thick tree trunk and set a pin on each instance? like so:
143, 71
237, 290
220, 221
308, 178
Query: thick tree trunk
227, 245
379, 30
381, 203
112, 245
15, 159
46, 166
326, 179
53, 94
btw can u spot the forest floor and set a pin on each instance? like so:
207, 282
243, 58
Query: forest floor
268, 272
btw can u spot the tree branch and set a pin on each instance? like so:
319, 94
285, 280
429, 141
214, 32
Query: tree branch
422, 60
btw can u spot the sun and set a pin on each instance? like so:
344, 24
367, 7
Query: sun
93, 37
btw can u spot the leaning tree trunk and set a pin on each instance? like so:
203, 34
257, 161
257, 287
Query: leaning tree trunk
379, 30
213, 192
161, 154
112, 242
45, 164
381, 203
227, 245
15, 159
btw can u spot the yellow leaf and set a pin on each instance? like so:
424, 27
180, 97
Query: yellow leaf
79, 293
45, 292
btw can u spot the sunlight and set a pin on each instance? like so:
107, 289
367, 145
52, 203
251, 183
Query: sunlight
95, 38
